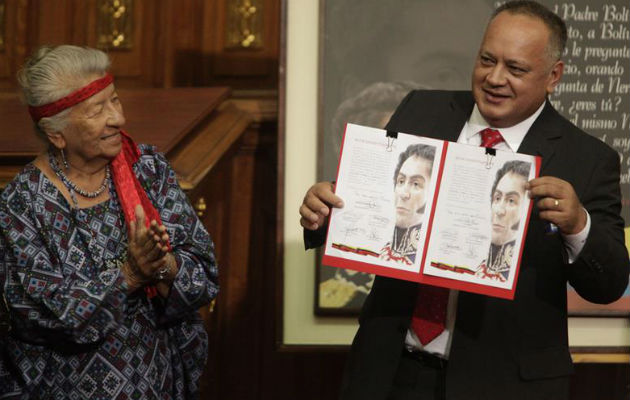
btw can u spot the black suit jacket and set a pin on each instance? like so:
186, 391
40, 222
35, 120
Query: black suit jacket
504, 349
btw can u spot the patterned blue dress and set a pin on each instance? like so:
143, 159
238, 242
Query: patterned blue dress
77, 334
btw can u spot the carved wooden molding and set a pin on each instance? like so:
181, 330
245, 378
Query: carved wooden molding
244, 24
115, 24
2, 23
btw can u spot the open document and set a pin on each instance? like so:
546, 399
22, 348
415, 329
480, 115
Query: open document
430, 211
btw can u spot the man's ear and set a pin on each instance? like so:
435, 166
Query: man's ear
554, 76
56, 138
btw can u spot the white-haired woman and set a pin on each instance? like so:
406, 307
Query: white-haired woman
103, 262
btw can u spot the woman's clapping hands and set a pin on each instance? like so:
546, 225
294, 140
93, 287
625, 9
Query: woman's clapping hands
148, 256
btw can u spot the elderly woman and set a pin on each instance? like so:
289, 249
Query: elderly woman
103, 261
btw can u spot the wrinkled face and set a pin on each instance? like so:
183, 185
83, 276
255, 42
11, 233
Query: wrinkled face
513, 72
93, 129
506, 207
410, 191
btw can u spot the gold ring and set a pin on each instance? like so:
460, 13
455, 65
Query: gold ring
556, 203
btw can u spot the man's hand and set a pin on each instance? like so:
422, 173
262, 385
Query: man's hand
558, 203
316, 205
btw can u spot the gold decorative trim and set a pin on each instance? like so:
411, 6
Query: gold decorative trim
115, 24
200, 206
600, 358
244, 24
2, 24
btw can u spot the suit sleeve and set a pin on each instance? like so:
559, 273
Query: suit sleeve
600, 274
400, 109
314, 239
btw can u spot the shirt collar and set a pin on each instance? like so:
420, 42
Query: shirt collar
512, 135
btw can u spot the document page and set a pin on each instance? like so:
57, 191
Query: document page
480, 216
387, 185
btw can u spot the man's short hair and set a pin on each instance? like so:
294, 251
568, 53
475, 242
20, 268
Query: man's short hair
557, 27
419, 150
514, 166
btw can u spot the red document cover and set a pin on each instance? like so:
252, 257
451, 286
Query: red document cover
430, 211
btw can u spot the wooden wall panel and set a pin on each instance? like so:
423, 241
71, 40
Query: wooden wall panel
15, 38
175, 42
130, 63
53, 22
252, 66
137, 66
185, 42
4, 29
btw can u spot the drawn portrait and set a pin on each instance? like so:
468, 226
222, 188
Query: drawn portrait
412, 178
507, 196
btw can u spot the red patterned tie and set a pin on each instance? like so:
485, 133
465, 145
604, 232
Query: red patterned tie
429, 315
490, 137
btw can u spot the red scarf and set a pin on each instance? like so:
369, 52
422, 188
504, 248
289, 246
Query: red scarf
130, 192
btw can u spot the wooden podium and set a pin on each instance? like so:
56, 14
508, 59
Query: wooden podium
212, 145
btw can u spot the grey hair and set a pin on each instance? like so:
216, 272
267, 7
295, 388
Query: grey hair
54, 72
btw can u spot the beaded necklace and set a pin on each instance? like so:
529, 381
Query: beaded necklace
73, 187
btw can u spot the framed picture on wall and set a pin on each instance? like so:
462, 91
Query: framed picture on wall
340, 291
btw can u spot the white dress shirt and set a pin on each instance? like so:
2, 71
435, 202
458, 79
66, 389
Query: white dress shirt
513, 137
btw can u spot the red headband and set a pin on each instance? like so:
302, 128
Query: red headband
50, 109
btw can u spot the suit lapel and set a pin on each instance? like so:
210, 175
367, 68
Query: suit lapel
543, 136
449, 126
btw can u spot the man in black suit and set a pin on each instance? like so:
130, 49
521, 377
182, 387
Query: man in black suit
493, 348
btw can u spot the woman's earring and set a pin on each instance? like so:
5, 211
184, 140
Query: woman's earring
64, 161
